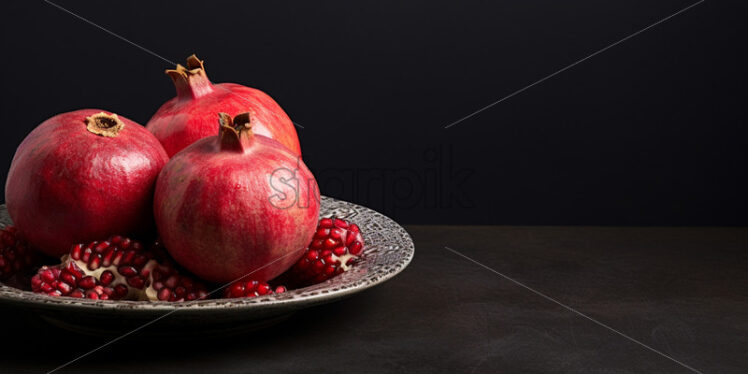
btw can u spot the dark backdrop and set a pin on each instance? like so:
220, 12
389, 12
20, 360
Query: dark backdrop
649, 132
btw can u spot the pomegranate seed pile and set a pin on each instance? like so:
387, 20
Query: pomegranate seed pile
115, 269
251, 288
335, 247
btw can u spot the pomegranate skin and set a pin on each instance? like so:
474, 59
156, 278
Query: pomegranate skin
236, 205
67, 184
191, 115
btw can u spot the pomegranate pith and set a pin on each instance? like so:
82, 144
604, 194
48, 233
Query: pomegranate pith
236, 204
190, 116
335, 247
80, 176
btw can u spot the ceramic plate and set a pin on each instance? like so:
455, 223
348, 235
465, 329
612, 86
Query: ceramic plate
388, 251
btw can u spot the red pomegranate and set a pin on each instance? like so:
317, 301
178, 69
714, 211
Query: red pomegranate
236, 204
191, 115
83, 175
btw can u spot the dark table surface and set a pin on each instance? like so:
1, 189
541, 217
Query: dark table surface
544, 300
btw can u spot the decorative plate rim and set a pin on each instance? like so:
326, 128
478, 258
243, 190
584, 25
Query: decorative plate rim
389, 249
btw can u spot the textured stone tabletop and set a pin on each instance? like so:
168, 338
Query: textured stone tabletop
536, 300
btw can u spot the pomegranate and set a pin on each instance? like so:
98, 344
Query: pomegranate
334, 248
251, 288
190, 116
118, 268
80, 176
236, 204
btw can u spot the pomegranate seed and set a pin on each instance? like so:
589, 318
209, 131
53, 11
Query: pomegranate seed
47, 287
318, 266
101, 247
127, 257
119, 291
48, 275
75, 253
64, 288
180, 292
67, 278
164, 294
87, 283
117, 258
127, 271
171, 282
329, 243
73, 269
94, 263
339, 251
237, 289
106, 259
263, 289
107, 277
337, 234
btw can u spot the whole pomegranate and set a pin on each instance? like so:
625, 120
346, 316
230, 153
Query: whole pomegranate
83, 175
190, 116
236, 204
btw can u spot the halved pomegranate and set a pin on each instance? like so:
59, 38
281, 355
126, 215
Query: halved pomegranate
117, 268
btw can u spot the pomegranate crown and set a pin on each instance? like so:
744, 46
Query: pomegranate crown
194, 66
191, 81
104, 124
236, 132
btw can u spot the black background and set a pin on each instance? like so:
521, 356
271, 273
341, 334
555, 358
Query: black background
649, 132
